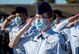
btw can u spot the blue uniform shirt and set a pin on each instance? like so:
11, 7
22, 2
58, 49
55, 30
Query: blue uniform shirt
1, 22
13, 29
75, 38
51, 42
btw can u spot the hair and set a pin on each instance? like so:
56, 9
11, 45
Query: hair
21, 10
58, 12
13, 12
50, 14
45, 7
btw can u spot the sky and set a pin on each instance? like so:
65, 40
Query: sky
17, 1
61, 1
26, 1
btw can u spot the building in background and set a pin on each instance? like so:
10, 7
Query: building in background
67, 9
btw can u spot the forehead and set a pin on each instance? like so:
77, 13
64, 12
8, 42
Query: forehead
44, 15
19, 14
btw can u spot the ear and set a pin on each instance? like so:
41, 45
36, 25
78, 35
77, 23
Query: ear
51, 19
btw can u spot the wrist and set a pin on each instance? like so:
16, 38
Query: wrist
8, 19
2, 31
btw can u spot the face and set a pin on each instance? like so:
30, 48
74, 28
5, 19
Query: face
42, 22
19, 19
22, 16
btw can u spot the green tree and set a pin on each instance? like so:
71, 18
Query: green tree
72, 1
51, 1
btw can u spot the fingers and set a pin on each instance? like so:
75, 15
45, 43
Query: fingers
71, 19
11, 17
72, 23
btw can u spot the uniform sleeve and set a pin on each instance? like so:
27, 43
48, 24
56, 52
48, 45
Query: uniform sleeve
62, 25
9, 27
54, 22
66, 32
0, 29
24, 40
21, 42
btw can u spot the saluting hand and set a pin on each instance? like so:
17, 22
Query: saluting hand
73, 18
11, 17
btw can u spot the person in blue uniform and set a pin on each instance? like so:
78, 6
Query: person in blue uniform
15, 22
72, 32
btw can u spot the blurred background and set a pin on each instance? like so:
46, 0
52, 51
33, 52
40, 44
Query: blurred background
68, 7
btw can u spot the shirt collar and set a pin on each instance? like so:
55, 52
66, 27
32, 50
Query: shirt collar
47, 33
19, 27
22, 25
44, 35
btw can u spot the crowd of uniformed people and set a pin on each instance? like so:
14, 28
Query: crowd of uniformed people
48, 32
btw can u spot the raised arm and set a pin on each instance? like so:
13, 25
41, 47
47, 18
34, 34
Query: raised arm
65, 23
6, 22
72, 23
73, 18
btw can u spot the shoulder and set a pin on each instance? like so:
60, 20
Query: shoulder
53, 38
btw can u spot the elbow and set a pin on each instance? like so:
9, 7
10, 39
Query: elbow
11, 45
2, 28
